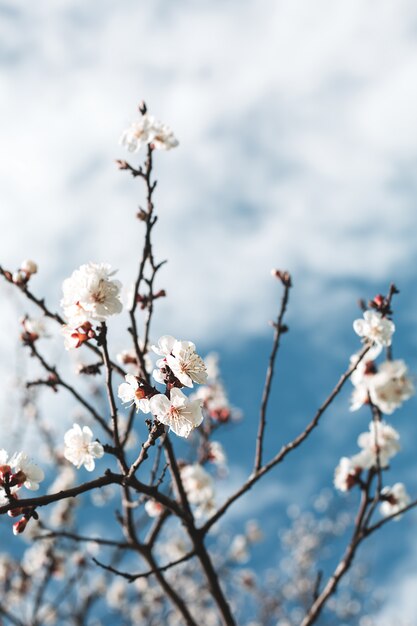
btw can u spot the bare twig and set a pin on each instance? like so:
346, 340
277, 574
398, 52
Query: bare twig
279, 329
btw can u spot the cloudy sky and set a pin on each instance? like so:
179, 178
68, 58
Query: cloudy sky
298, 150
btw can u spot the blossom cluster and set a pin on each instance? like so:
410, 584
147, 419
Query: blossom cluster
148, 131
384, 387
180, 366
90, 295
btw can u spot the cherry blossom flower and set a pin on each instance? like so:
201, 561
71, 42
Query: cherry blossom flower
80, 449
198, 485
391, 386
90, 294
179, 413
131, 392
153, 508
375, 328
148, 131
31, 474
165, 345
182, 359
395, 499
186, 364
349, 470
382, 441
387, 385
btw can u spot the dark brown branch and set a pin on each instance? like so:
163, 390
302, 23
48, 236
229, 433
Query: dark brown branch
151, 572
279, 329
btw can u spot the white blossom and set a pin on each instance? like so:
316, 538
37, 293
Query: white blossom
33, 474
382, 442
153, 508
198, 486
181, 357
90, 294
179, 413
390, 386
131, 392
80, 449
186, 364
165, 345
148, 131
396, 498
349, 469
375, 328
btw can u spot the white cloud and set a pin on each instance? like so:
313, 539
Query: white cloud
295, 122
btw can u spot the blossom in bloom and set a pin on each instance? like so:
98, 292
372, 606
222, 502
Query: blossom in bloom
153, 508
198, 485
91, 295
382, 442
349, 469
179, 413
186, 364
375, 328
131, 392
395, 499
182, 359
391, 386
31, 474
148, 131
80, 449
387, 385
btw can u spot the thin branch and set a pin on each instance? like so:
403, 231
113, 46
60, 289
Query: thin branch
279, 329
58, 380
151, 572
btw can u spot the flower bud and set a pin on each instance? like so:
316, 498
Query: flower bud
20, 526
19, 278
29, 267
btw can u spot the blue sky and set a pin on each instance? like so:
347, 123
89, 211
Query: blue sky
298, 147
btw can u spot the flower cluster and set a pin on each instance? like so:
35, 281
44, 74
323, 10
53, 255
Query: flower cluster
148, 131
386, 385
180, 366
80, 449
90, 295
24, 273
